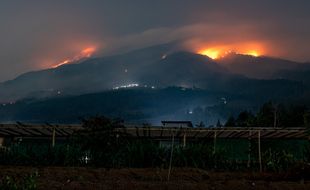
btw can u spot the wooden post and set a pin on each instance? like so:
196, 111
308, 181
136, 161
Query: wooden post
214, 148
249, 149
184, 140
1, 141
259, 153
214, 143
53, 138
171, 154
275, 116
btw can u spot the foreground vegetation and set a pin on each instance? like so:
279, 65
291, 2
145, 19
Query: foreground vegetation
272, 115
100, 145
73, 178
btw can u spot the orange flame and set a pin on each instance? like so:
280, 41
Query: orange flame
222, 51
85, 53
212, 53
88, 52
62, 63
252, 53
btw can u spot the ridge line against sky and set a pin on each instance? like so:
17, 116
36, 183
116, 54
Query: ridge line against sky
37, 34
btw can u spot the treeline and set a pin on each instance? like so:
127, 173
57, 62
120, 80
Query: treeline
272, 115
139, 104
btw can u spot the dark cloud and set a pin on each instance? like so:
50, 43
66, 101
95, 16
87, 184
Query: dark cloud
36, 34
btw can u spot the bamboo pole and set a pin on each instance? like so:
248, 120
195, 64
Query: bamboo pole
184, 140
214, 142
214, 147
259, 153
53, 138
249, 149
170, 161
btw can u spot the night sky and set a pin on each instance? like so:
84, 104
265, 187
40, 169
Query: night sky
39, 34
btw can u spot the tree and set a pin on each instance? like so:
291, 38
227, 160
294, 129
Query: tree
307, 119
218, 124
282, 116
200, 125
296, 116
101, 139
230, 122
291, 116
245, 119
266, 115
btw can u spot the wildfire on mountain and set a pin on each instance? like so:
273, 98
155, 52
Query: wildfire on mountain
218, 52
85, 53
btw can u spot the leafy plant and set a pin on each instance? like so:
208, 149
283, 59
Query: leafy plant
101, 141
29, 182
278, 160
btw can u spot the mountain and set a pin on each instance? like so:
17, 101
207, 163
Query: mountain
183, 69
139, 105
300, 73
159, 66
261, 67
86, 76
84, 88
147, 66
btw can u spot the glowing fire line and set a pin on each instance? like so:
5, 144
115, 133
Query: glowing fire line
217, 53
85, 53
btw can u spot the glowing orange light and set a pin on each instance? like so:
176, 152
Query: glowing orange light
85, 53
62, 63
252, 53
88, 52
212, 53
220, 52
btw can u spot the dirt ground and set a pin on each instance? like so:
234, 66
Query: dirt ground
155, 179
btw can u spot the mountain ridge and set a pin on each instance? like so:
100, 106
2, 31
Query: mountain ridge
159, 66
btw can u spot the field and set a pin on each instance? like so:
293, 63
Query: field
151, 179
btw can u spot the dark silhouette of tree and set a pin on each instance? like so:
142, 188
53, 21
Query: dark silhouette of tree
218, 124
307, 119
201, 125
295, 116
291, 116
230, 122
245, 119
271, 115
101, 138
265, 116
282, 116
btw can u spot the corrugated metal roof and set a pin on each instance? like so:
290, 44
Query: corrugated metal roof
64, 130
